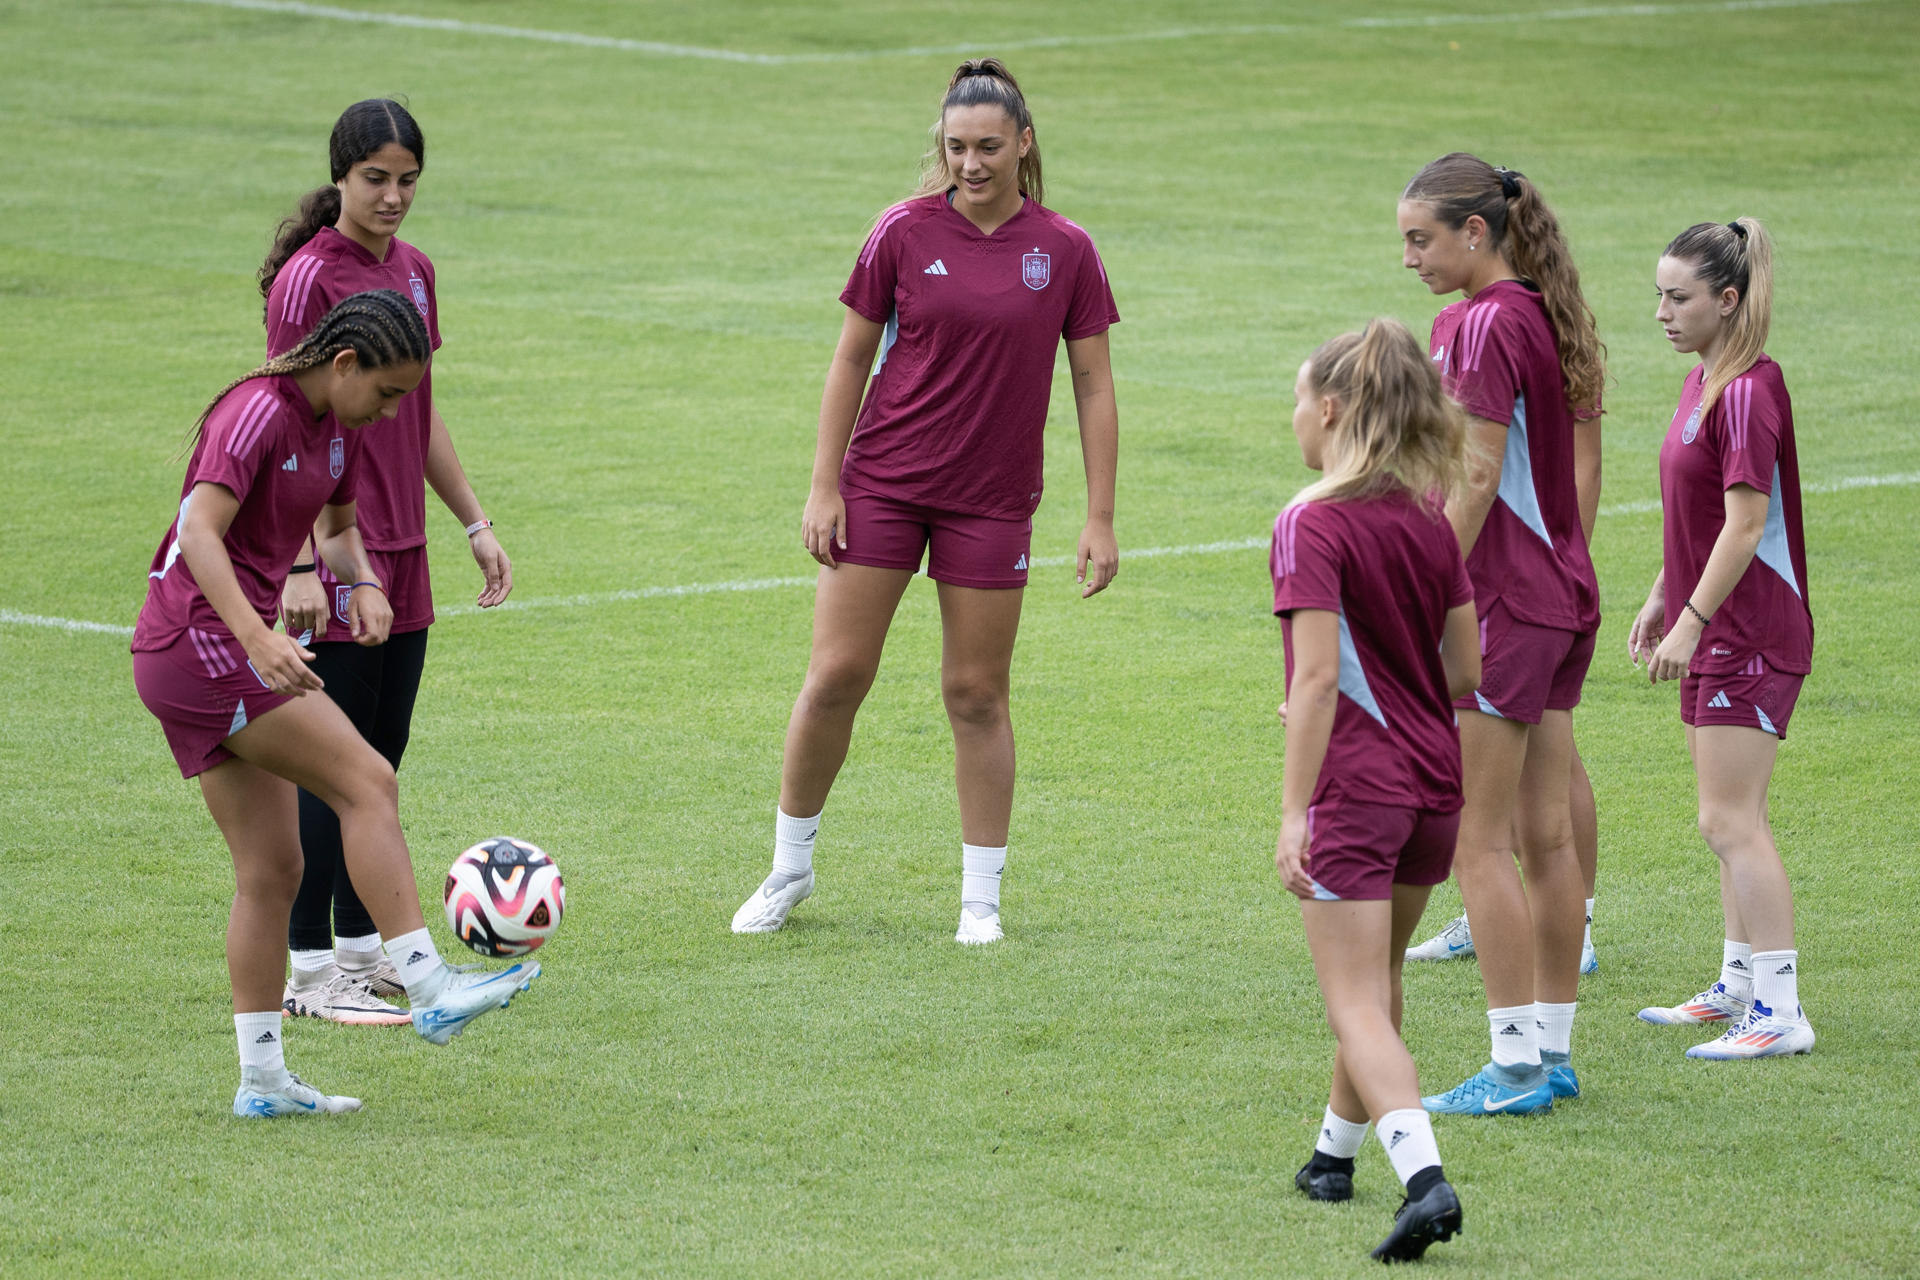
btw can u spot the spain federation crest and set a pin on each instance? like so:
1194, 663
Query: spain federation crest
337, 457
1692, 429
342, 596
419, 293
1035, 270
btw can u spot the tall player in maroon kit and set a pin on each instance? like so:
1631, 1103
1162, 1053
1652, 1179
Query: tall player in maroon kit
343, 240
1728, 616
1521, 355
276, 461
1377, 615
965, 291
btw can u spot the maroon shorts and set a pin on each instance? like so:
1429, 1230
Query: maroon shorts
203, 690
1754, 697
964, 550
1358, 851
1525, 670
403, 574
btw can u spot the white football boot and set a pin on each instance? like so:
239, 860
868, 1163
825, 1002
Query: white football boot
341, 997
295, 1098
1455, 942
767, 909
978, 930
1715, 1004
465, 996
1762, 1034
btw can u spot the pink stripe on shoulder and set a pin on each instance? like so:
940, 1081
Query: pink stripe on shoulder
302, 271
1739, 398
1097, 261
1472, 343
872, 246
252, 421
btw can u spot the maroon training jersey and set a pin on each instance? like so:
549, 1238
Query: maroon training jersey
1497, 358
1746, 439
1390, 569
261, 443
326, 271
955, 413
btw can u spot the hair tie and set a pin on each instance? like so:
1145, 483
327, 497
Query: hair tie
1737, 229
1509, 186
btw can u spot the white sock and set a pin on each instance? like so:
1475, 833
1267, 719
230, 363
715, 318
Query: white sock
263, 1063
418, 962
792, 846
1776, 982
1586, 939
1516, 1039
980, 870
1556, 1027
365, 947
1340, 1137
1736, 968
1408, 1137
311, 964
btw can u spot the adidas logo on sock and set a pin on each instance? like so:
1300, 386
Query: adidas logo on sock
1784, 969
1737, 964
1327, 1134
416, 957
1512, 1029
1394, 1141
266, 1037
938, 268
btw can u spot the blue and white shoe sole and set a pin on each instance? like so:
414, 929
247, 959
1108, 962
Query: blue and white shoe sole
438, 1028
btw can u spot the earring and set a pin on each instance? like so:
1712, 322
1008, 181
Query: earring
1472, 247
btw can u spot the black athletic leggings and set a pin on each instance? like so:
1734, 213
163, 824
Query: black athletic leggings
376, 687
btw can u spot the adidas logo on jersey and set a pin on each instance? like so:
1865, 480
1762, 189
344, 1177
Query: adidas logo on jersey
291, 464
1020, 565
1720, 700
938, 268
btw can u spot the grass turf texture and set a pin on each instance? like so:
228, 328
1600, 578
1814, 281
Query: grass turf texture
638, 257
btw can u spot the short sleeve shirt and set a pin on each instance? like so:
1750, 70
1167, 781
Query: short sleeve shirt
1747, 439
954, 416
328, 269
1497, 358
261, 443
1390, 569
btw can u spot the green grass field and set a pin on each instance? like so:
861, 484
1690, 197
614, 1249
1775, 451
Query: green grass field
639, 252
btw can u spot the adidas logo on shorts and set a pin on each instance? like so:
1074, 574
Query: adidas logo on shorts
1721, 701
1020, 565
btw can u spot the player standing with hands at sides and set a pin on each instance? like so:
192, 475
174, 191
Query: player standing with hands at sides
342, 241
1521, 355
965, 290
1728, 615
1377, 615
272, 465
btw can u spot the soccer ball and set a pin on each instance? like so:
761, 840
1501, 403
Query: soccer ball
504, 897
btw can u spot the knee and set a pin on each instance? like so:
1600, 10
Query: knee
835, 683
1723, 829
974, 701
369, 785
271, 875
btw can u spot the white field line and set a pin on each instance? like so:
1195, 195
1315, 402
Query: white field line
12, 617
662, 49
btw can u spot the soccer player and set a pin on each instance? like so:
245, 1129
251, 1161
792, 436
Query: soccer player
274, 462
1728, 616
965, 290
1378, 623
1520, 353
342, 241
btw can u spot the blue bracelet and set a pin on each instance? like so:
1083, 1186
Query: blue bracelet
368, 583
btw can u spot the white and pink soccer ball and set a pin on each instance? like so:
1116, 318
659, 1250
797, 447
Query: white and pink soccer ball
504, 897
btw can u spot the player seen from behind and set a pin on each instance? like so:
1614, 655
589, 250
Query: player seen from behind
1378, 619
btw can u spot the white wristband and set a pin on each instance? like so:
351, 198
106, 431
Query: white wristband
478, 525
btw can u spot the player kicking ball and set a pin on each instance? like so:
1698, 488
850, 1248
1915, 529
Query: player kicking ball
274, 461
1378, 624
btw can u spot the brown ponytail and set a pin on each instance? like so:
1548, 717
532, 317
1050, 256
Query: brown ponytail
1737, 255
981, 82
1523, 229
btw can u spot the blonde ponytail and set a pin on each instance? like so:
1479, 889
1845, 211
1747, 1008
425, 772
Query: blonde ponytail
1735, 255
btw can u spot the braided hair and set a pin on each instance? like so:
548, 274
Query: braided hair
379, 326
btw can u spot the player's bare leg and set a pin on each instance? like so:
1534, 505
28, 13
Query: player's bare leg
853, 606
1586, 847
978, 629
